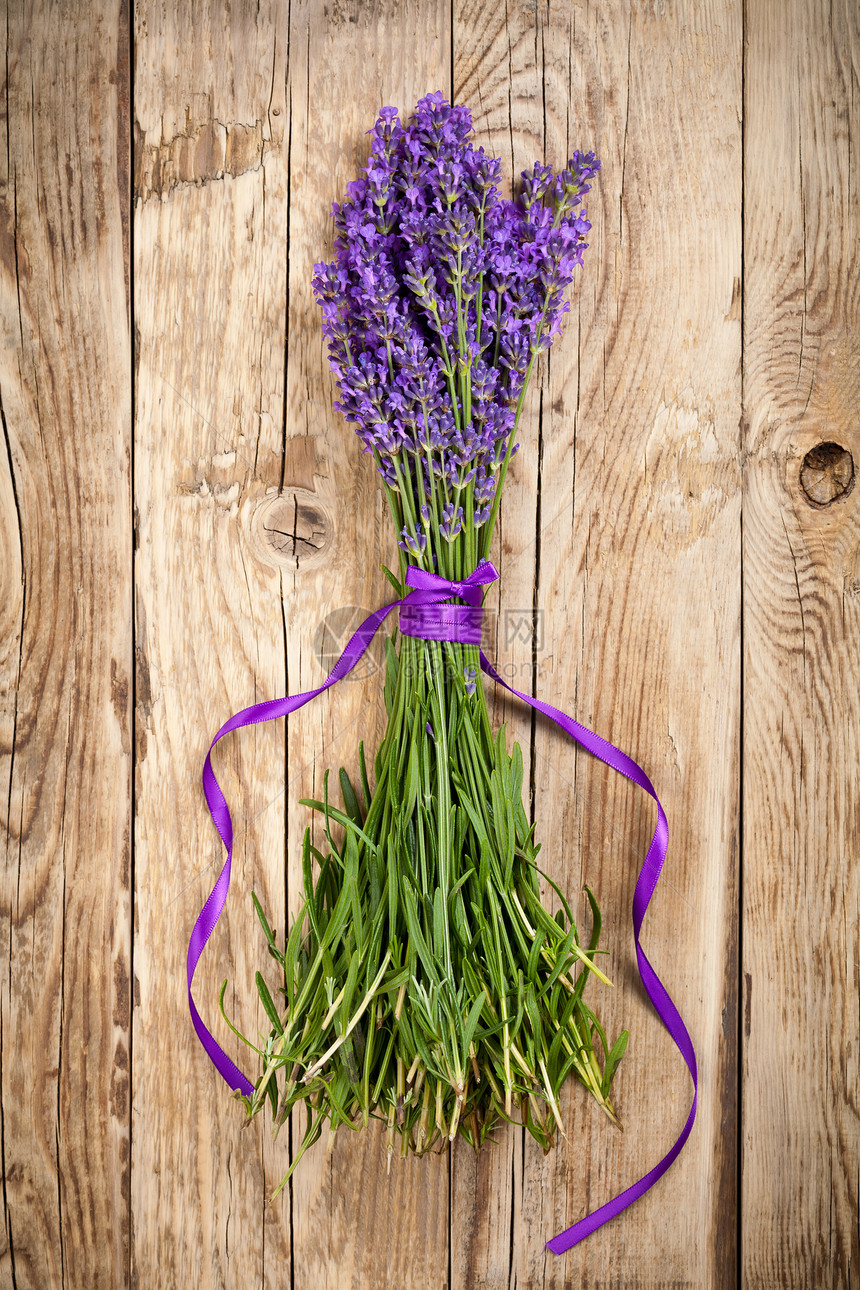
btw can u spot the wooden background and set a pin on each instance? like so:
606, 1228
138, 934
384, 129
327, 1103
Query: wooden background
180, 508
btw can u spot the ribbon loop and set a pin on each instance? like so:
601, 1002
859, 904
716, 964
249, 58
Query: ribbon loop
424, 614
467, 588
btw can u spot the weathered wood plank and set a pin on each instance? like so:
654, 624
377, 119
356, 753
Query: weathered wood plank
353, 1223
210, 220
315, 153
647, 610
498, 66
65, 649
634, 509
801, 1142
625, 494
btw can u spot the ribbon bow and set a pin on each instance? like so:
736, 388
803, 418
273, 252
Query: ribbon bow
421, 613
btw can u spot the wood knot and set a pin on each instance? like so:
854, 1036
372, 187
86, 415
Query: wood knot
293, 528
826, 474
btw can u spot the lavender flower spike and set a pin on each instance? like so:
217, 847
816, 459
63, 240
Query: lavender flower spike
438, 300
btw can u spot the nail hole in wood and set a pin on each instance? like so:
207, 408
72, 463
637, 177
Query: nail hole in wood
826, 474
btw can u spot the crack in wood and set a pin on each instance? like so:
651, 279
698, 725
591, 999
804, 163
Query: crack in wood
204, 152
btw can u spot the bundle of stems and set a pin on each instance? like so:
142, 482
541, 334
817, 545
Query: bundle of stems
424, 982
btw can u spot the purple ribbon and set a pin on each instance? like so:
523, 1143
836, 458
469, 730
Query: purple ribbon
423, 614
428, 590
654, 988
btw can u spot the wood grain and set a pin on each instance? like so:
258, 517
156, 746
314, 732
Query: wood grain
65, 649
210, 332
256, 257
801, 1140
498, 73
354, 1224
677, 572
635, 501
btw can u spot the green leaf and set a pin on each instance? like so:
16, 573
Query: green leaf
236, 1032
478, 756
458, 884
263, 920
410, 790
596, 921
558, 891
562, 954
393, 982
501, 930
562, 1020
537, 946
348, 991
439, 924
392, 888
272, 1091
597, 1026
616, 1052
324, 807
339, 816
308, 882
351, 881
475, 819
293, 942
374, 953
383, 1070
392, 669
461, 826
515, 774
500, 818
365, 783
415, 933
268, 1003
460, 920
394, 580
534, 1013
350, 800
521, 1005
339, 918
472, 1024
375, 885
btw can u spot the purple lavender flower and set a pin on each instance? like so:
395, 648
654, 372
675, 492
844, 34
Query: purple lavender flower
452, 521
438, 300
414, 544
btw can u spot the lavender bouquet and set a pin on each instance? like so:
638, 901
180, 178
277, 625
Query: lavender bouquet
424, 982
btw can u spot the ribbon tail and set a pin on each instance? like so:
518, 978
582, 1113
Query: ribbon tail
220, 812
656, 991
